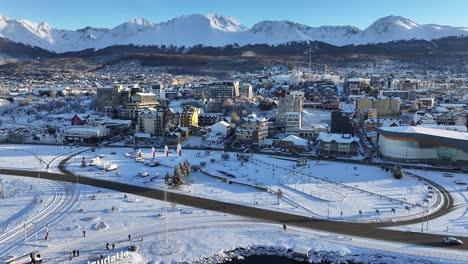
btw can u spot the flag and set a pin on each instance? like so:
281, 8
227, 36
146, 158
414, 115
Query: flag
153, 151
166, 150
179, 149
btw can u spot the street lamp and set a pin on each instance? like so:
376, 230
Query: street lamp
35, 231
422, 220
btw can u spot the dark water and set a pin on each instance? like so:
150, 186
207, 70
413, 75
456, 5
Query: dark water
256, 259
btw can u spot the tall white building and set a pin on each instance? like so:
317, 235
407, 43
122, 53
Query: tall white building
158, 90
291, 102
293, 123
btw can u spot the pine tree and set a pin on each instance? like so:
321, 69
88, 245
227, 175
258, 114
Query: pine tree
186, 167
178, 178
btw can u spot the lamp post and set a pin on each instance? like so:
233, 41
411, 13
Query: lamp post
165, 214
195, 174
35, 231
422, 220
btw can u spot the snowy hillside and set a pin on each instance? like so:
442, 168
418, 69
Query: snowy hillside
217, 31
393, 28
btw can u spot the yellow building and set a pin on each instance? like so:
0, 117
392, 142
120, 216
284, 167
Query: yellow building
384, 106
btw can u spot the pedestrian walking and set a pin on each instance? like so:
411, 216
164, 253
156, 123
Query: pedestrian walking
107, 246
70, 256
113, 246
129, 237
74, 253
77, 253
84, 233
284, 227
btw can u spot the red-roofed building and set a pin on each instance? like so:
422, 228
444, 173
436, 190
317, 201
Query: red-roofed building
77, 121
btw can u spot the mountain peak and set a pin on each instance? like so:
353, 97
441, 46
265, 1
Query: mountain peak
225, 23
216, 31
4, 17
215, 21
141, 22
397, 21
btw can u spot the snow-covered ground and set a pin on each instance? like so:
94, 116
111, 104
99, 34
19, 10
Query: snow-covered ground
324, 189
454, 223
34, 157
172, 233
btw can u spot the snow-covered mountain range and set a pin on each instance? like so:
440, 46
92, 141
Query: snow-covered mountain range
217, 31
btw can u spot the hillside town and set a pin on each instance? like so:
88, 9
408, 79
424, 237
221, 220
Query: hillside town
328, 114
136, 132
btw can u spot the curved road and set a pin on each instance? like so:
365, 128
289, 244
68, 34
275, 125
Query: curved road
366, 230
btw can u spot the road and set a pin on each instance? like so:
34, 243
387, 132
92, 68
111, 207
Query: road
365, 230
63, 198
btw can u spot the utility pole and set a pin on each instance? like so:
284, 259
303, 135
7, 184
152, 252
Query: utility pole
165, 214
2, 192
254, 197
422, 220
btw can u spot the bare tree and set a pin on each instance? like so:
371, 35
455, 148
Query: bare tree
235, 118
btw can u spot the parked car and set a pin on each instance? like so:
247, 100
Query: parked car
153, 164
35, 257
143, 174
133, 248
452, 241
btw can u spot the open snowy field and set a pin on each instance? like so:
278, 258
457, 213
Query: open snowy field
325, 189
454, 223
171, 233
34, 157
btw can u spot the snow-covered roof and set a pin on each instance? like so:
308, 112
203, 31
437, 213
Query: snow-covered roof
296, 140
223, 123
339, 138
451, 128
142, 135
452, 105
428, 131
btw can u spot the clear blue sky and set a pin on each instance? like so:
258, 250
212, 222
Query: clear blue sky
73, 14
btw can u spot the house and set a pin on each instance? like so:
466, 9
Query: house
253, 130
173, 138
221, 128
372, 124
293, 144
77, 121
212, 140
344, 144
